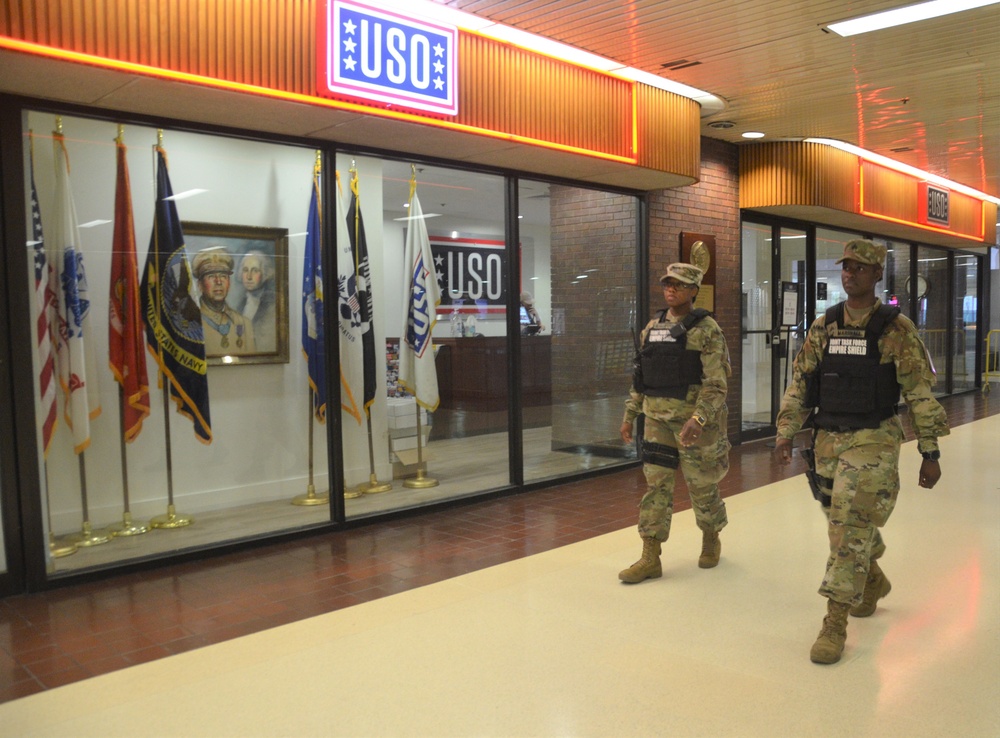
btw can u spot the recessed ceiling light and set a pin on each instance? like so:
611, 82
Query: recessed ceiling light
902, 16
721, 125
753, 134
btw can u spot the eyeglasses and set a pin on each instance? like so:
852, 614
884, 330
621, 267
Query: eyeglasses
676, 286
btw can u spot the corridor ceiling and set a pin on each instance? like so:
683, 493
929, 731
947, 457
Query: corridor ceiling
926, 94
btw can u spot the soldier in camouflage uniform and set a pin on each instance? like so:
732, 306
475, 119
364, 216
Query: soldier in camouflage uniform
857, 361
680, 388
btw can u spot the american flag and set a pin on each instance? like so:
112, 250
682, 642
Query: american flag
45, 302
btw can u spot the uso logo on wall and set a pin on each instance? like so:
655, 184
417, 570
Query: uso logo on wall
471, 274
383, 56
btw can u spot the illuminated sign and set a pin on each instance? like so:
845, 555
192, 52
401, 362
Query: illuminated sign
933, 204
387, 57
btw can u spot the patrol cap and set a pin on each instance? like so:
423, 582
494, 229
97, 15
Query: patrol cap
212, 261
687, 273
864, 252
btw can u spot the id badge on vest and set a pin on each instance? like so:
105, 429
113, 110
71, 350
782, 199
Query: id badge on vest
660, 335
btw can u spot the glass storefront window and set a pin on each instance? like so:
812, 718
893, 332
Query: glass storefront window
830, 247
229, 283
757, 308
577, 305
463, 446
932, 309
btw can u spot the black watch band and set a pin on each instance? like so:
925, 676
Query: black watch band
931, 455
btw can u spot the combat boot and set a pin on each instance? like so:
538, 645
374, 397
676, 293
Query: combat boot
877, 586
648, 565
832, 636
711, 549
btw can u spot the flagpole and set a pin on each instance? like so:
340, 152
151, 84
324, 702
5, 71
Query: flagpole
171, 519
310, 497
127, 527
87, 536
374, 486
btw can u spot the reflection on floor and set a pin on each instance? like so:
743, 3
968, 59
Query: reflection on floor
553, 644
462, 466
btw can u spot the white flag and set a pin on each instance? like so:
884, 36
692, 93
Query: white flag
352, 370
75, 356
421, 296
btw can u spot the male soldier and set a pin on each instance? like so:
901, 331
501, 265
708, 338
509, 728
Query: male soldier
856, 361
226, 331
680, 388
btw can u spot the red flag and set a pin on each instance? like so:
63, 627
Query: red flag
127, 355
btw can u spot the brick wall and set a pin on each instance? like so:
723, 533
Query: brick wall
710, 206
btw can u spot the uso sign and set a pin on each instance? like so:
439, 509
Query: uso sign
385, 57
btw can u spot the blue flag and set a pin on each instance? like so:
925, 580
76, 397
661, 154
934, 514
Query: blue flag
174, 334
359, 247
313, 333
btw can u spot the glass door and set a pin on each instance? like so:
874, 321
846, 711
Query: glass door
775, 315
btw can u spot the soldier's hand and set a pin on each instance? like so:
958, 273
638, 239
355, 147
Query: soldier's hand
783, 451
690, 433
930, 473
626, 432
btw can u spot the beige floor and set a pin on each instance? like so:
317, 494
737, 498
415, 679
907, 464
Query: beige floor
553, 645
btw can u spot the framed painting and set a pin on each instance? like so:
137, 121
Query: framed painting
241, 274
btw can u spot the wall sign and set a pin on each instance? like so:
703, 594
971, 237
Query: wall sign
386, 57
933, 204
471, 274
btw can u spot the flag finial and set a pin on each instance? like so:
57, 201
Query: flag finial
159, 138
59, 124
120, 138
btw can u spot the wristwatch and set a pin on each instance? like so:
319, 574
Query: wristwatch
931, 455
699, 419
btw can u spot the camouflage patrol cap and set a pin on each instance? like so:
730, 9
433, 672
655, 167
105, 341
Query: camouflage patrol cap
687, 273
864, 252
211, 261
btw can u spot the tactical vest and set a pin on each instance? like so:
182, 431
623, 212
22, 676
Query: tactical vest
666, 366
851, 388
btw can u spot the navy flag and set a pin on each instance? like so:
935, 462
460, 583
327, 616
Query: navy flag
173, 319
359, 247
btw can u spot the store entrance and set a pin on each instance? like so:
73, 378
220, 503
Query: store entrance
775, 318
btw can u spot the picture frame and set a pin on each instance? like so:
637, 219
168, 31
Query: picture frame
249, 324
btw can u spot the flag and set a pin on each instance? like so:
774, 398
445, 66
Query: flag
174, 334
362, 272
349, 316
45, 317
421, 296
126, 352
313, 331
75, 357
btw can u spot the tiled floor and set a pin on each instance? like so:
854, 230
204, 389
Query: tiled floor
67, 635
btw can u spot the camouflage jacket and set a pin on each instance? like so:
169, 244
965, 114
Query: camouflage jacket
707, 398
900, 345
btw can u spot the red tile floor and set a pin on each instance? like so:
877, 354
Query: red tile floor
65, 635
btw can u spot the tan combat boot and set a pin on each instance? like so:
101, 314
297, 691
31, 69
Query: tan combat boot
830, 643
711, 549
877, 586
647, 567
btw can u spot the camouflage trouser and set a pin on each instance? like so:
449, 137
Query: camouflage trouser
703, 466
864, 466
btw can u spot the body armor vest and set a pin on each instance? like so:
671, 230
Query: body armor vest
851, 388
666, 367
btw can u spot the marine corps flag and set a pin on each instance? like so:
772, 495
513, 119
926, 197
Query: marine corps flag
126, 354
172, 316
75, 357
45, 319
421, 296
313, 331
359, 249
352, 368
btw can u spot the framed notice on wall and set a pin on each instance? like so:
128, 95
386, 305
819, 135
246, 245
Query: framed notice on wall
699, 249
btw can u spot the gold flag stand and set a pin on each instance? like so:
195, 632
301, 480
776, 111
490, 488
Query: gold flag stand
420, 481
58, 548
310, 497
127, 527
172, 519
87, 536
